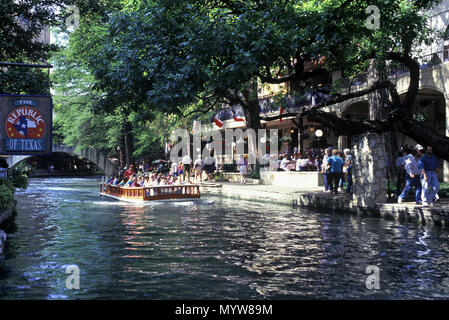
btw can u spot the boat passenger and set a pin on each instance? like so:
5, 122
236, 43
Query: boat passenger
130, 171
122, 183
110, 180
147, 182
153, 180
140, 181
134, 183
162, 181
129, 182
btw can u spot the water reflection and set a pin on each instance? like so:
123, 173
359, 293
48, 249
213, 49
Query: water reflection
211, 249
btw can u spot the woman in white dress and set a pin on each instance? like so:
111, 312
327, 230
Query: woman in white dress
242, 168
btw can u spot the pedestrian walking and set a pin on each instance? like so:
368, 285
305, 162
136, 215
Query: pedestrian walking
412, 175
186, 165
243, 168
400, 170
428, 165
324, 169
335, 165
198, 167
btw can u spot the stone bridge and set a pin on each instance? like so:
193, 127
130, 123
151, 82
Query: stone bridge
90, 154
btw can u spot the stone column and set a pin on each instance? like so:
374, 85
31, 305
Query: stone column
342, 142
446, 164
369, 172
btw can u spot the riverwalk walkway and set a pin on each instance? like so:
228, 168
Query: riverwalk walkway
316, 198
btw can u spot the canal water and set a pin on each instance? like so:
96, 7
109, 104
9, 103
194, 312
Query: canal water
211, 249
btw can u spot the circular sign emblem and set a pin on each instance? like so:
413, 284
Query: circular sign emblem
25, 122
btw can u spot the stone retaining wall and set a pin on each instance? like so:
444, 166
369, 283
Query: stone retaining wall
327, 202
303, 179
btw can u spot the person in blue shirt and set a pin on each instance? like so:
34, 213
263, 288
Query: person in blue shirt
111, 179
428, 164
335, 165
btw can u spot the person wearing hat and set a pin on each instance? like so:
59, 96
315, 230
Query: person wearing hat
412, 175
130, 171
146, 181
428, 164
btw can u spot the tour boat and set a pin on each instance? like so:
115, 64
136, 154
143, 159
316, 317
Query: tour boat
143, 194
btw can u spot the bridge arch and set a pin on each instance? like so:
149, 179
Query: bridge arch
91, 154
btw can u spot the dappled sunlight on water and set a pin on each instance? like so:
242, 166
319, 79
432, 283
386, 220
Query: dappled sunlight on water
210, 249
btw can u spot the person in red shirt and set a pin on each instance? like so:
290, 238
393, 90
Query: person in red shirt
130, 171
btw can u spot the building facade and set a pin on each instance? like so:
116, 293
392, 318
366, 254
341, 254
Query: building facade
431, 104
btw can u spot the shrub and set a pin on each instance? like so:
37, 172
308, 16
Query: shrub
22, 168
218, 177
6, 193
443, 192
20, 181
255, 174
229, 167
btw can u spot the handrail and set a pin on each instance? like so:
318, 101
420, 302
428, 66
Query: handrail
154, 192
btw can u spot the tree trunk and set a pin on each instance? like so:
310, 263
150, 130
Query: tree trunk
378, 102
252, 115
301, 134
129, 143
251, 107
121, 154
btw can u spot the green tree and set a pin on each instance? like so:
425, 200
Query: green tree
21, 23
171, 55
214, 49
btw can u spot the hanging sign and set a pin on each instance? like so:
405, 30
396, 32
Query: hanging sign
26, 122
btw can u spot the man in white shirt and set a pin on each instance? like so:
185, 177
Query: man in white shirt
301, 164
284, 163
412, 176
186, 163
174, 169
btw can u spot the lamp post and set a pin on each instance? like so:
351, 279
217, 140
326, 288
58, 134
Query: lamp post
319, 134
